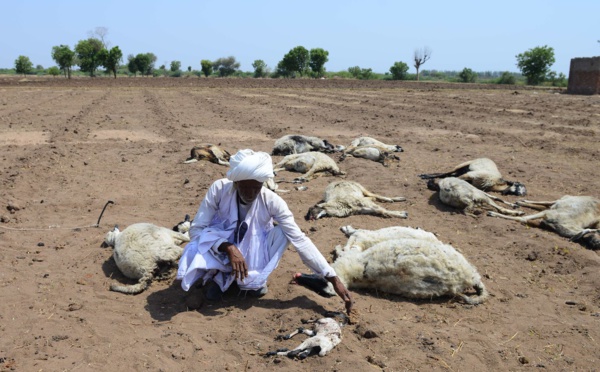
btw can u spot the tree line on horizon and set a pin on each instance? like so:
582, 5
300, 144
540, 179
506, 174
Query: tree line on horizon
94, 52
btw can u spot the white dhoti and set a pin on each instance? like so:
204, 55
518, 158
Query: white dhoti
262, 257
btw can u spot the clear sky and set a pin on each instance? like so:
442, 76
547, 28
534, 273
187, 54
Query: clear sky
481, 35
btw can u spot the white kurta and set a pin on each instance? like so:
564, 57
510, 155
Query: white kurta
262, 246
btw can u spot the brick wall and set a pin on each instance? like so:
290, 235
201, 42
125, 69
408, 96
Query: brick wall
584, 76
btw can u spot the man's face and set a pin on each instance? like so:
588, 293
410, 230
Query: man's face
248, 190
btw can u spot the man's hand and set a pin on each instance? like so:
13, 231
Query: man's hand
239, 269
341, 290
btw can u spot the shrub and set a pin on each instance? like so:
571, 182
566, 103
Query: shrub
506, 78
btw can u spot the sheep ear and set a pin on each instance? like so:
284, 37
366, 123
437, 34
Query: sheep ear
323, 213
187, 218
116, 228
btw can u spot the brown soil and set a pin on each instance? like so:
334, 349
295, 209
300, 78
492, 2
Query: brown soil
69, 146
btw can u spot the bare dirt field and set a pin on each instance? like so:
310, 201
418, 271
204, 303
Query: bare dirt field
67, 147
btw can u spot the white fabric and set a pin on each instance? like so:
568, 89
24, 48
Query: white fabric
262, 247
250, 165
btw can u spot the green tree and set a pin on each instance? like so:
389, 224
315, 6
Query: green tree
64, 58
175, 66
467, 75
23, 65
54, 71
296, 60
535, 63
131, 65
89, 55
399, 71
260, 68
111, 59
318, 58
206, 67
226, 66
142, 63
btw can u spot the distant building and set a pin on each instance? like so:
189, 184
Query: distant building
584, 76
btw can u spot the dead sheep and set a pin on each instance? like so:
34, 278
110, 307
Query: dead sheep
460, 194
297, 144
312, 164
212, 153
325, 335
372, 149
345, 198
401, 263
371, 152
484, 175
369, 141
145, 252
573, 217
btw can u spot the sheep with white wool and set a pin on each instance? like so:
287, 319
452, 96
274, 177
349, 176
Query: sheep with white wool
297, 144
460, 194
574, 217
312, 164
144, 252
413, 264
484, 175
371, 149
345, 198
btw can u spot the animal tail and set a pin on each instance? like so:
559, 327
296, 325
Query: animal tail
481, 297
133, 289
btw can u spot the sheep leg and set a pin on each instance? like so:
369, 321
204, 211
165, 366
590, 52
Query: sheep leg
500, 209
539, 205
380, 211
582, 233
282, 351
308, 175
494, 197
381, 198
525, 219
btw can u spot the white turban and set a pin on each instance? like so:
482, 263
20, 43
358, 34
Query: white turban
250, 165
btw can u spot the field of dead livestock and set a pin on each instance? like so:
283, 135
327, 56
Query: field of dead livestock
67, 147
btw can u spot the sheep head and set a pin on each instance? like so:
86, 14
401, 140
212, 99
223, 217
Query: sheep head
515, 188
111, 237
314, 213
315, 283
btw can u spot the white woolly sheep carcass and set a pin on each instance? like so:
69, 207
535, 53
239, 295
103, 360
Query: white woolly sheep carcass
574, 217
484, 175
212, 153
310, 163
369, 141
460, 194
401, 263
143, 252
345, 198
297, 144
325, 335
371, 152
